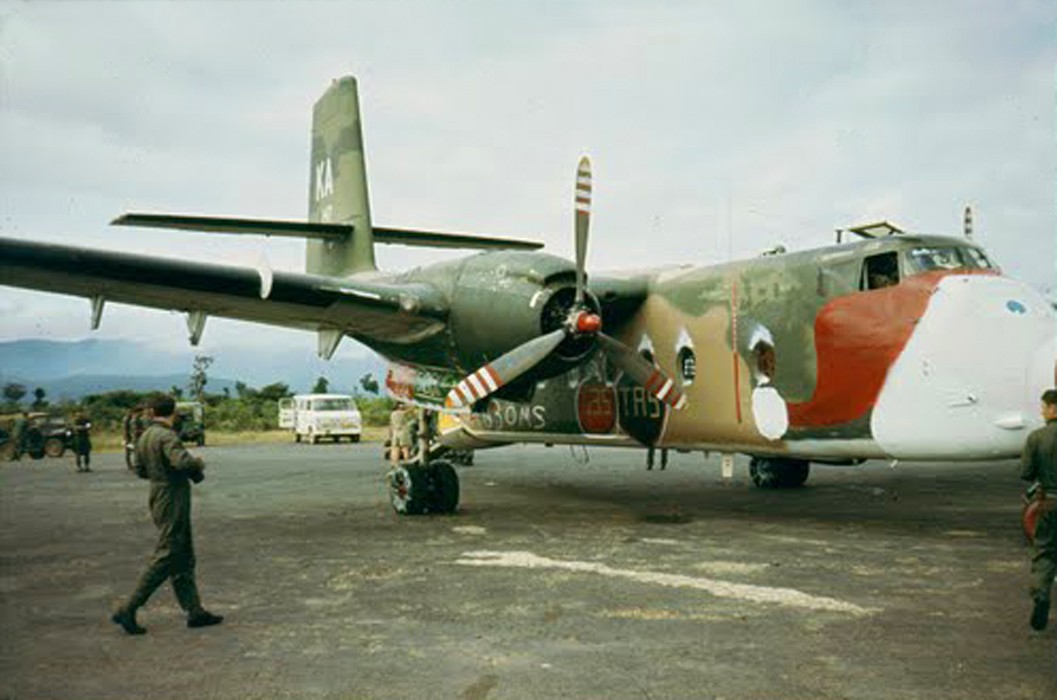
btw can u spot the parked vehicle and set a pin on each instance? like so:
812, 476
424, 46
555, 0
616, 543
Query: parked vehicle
45, 435
190, 423
316, 416
50, 435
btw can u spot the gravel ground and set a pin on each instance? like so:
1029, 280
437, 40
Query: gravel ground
556, 578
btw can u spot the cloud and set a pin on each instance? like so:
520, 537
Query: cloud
779, 122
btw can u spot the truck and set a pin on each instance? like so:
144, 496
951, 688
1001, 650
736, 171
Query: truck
313, 417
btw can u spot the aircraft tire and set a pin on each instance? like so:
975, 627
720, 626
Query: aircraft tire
408, 489
54, 447
778, 473
444, 494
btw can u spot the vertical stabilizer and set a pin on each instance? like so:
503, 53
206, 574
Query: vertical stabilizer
337, 189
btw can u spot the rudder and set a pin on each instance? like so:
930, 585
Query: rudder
338, 183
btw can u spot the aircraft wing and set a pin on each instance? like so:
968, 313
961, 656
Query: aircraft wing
397, 313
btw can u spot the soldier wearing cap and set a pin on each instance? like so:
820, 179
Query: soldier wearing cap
162, 458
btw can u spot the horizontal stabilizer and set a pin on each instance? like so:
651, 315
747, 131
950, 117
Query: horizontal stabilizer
260, 227
437, 239
325, 232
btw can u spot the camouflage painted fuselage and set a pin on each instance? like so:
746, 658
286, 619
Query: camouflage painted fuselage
782, 354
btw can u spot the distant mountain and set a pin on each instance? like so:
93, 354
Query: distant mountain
73, 369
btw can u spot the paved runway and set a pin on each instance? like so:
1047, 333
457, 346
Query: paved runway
555, 579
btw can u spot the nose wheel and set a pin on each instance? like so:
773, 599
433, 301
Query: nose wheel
778, 472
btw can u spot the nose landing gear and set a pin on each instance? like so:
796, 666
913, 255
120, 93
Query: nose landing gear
778, 472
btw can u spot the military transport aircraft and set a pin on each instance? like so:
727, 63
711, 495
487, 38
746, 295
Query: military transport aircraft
897, 346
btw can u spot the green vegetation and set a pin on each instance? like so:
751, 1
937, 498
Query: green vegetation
250, 409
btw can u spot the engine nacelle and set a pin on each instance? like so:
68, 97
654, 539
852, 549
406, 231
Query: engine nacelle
501, 300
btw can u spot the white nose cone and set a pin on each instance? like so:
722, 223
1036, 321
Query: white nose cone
967, 385
769, 412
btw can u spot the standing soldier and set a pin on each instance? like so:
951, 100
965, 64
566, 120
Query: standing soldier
1039, 464
18, 434
134, 423
82, 442
399, 435
162, 458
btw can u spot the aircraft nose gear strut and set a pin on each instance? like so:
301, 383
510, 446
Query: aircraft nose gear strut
778, 472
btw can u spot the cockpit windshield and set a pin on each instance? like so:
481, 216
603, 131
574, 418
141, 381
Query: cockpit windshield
928, 258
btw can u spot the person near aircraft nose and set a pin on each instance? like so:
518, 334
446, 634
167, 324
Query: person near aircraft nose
162, 458
1039, 464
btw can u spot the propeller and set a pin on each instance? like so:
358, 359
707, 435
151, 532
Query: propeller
580, 321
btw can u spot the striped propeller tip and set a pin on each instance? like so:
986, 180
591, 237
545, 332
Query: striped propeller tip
475, 387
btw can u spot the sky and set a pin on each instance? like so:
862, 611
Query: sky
716, 130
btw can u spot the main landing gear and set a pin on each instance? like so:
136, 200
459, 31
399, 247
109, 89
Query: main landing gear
778, 472
423, 485
416, 489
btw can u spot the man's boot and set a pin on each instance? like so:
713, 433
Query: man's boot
203, 618
1040, 614
127, 619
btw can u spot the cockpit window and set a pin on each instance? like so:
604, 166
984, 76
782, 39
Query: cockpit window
880, 271
978, 258
927, 258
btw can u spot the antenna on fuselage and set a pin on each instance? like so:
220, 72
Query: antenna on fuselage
968, 222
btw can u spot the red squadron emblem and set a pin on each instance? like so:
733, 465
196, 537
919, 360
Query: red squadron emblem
596, 407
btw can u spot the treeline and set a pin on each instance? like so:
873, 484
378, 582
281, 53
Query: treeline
247, 409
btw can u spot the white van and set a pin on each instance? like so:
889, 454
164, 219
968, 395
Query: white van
317, 416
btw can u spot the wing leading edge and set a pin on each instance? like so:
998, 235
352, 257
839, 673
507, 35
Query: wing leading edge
395, 313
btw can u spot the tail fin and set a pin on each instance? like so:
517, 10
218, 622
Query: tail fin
338, 183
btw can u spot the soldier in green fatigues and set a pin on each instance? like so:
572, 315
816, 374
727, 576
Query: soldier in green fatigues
1039, 464
18, 434
162, 458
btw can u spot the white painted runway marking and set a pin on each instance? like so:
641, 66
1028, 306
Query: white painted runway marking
470, 530
788, 597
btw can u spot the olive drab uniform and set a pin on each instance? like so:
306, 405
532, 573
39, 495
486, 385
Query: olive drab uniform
1039, 463
82, 443
162, 458
18, 435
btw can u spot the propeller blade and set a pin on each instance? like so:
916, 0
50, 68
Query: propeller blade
642, 372
493, 376
583, 222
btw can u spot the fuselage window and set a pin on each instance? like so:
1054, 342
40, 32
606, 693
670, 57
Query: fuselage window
766, 361
687, 365
880, 271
